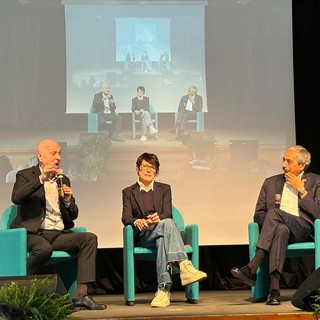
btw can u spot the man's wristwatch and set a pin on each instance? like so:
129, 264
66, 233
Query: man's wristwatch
302, 191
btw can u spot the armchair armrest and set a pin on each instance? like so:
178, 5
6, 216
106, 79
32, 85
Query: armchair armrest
317, 242
192, 239
78, 229
13, 249
253, 232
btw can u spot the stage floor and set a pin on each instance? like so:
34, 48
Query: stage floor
217, 304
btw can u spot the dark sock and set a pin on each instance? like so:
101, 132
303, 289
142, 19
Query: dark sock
256, 261
274, 281
82, 290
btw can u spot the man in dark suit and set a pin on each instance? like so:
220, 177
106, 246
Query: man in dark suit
147, 206
286, 209
47, 209
189, 105
103, 104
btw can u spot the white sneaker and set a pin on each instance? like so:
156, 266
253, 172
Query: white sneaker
153, 130
143, 138
161, 299
189, 274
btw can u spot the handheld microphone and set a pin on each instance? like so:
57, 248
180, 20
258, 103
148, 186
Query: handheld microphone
277, 200
60, 182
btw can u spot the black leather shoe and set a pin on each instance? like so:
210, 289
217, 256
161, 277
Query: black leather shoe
87, 303
245, 275
273, 298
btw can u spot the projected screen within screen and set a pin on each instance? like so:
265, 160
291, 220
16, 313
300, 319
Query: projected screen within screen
105, 43
239, 55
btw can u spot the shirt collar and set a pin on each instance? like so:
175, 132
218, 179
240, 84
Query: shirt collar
143, 187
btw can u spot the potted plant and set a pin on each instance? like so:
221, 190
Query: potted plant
35, 301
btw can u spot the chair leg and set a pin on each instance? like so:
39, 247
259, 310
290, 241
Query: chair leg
260, 291
192, 293
128, 277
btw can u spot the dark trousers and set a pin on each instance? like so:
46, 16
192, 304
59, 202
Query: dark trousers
278, 230
41, 245
116, 123
181, 122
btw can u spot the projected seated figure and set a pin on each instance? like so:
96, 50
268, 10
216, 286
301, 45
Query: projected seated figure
147, 206
289, 221
130, 61
140, 107
188, 107
145, 62
103, 104
164, 61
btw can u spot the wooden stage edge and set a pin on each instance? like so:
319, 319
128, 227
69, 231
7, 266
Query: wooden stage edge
213, 305
303, 316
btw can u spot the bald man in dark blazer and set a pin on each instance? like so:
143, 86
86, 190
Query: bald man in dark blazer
47, 209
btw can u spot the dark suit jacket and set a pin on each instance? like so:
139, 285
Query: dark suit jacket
98, 105
309, 206
28, 194
132, 207
196, 107
138, 104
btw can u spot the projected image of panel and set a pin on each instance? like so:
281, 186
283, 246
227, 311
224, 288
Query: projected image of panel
158, 46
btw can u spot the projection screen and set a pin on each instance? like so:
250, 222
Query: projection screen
237, 52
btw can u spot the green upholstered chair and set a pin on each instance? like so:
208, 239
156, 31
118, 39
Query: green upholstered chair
13, 253
131, 253
259, 292
134, 121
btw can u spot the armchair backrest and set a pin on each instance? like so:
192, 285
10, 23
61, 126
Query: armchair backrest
177, 218
151, 109
8, 216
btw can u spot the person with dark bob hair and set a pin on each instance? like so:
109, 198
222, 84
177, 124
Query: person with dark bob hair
147, 206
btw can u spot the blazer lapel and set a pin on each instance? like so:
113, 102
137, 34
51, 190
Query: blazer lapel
280, 183
137, 196
36, 173
157, 196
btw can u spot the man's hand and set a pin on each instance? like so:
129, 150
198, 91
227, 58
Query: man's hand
294, 181
67, 191
49, 171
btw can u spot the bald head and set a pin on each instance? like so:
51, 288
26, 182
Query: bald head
49, 154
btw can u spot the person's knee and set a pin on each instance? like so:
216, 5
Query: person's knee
283, 229
43, 250
90, 238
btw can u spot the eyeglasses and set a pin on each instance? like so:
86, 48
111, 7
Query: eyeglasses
145, 167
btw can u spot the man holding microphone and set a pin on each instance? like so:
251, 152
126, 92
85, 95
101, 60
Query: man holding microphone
48, 213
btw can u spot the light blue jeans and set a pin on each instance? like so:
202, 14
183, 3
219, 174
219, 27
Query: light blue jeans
146, 121
165, 236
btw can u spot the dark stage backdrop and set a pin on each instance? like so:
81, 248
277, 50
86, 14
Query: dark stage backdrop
244, 57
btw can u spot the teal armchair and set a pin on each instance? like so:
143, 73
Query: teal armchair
259, 292
131, 253
13, 253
